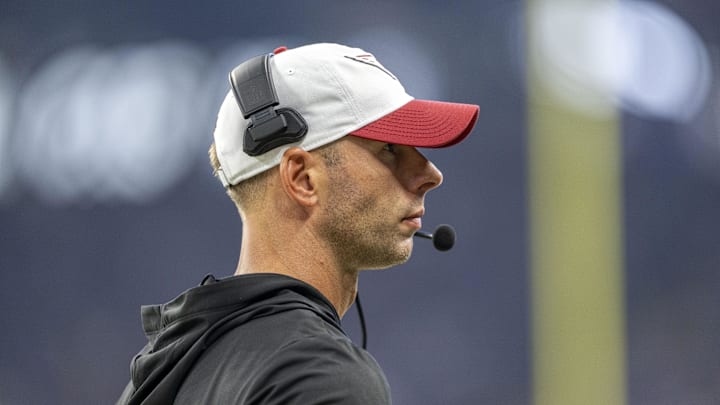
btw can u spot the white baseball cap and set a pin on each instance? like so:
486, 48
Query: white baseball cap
338, 91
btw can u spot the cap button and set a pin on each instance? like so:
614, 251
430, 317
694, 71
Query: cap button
280, 49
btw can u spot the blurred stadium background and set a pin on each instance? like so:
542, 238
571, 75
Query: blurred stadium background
586, 201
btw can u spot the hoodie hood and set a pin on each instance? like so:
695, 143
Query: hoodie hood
179, 331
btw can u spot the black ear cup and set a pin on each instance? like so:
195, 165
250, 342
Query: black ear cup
255, 93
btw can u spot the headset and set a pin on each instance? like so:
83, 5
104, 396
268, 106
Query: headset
254, 91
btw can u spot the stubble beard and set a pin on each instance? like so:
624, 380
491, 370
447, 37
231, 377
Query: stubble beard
359, 231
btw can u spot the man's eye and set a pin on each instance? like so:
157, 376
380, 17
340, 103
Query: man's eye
389, 147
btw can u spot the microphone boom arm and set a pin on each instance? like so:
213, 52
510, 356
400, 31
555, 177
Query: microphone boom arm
422, 234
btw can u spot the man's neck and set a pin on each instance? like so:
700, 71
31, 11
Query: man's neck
293, 257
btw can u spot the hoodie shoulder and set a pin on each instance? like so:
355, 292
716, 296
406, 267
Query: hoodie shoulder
321, 369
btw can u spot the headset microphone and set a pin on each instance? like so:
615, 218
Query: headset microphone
443, 238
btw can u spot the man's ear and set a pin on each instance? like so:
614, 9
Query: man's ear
298, 170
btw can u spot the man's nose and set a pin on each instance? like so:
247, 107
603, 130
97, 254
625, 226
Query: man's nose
425, 175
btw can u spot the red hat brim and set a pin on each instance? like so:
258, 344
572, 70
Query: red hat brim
423, 123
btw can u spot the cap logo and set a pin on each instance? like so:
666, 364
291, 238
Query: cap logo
369, 59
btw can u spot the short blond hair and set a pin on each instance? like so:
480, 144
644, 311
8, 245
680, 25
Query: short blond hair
247, 193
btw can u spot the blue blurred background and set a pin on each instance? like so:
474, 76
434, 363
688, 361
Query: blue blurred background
107, 201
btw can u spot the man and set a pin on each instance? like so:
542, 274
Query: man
316, 146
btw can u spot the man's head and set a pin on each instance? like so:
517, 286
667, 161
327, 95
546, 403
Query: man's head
337, 115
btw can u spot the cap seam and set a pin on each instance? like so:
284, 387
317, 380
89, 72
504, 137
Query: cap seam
347, 95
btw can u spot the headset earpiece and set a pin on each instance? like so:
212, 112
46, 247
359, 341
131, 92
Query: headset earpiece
255, 93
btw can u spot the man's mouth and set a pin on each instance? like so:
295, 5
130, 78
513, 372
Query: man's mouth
415, 219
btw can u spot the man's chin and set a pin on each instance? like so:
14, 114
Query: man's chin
392, 259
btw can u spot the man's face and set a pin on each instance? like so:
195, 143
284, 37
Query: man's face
375, 201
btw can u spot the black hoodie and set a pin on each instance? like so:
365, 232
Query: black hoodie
251, 339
